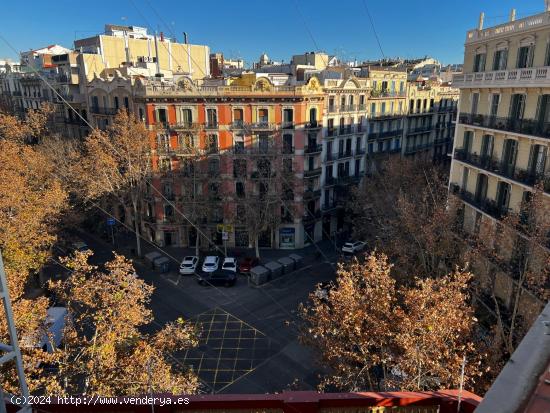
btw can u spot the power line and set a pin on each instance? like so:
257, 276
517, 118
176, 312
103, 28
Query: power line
373, 28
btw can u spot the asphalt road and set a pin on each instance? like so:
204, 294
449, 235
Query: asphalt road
248, 335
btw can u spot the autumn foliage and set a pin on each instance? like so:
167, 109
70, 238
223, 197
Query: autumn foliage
374, 335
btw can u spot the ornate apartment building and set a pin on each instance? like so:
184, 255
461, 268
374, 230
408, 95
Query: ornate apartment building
501, 143
502, 136
244, 156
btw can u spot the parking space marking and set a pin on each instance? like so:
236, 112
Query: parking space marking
228, 348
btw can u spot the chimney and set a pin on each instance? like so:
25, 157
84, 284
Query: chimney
185, 38
481, 19
513, 15
157, 56
161, 36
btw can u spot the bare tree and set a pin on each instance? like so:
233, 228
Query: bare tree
117, 163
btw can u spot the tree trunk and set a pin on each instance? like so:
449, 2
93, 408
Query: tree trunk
136, 228
257, 246
197, 243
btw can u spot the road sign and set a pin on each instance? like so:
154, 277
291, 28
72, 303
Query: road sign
225, 236
224, 228
111, 222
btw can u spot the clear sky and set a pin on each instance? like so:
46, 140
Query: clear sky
246, 28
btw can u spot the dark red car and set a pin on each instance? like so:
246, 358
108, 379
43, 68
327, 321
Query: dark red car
247, 263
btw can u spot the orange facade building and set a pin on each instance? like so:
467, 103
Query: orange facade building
241, 161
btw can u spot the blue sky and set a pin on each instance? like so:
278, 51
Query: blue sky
246, 28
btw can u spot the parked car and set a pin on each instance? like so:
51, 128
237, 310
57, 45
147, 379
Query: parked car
189, 265
353, 246
80, 246
247, 263
230, 264
220, 277
211, 263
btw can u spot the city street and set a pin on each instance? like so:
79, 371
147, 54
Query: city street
248, 335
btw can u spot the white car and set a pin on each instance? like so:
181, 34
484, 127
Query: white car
80, 246
230, 264
210, 263
189, 265
353, 247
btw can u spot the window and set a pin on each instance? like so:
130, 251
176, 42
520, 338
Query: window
212, 143
287, 143
126, 103
263, 116
373, 109
313, 116
116, 103
238, 144
239, 168
161, 116
214, 167
543, 111
503, 197
330, 127
487, 144
481, 188
509, 155
537, 160
467, 142
525, 56
475, 103
495, 100
211, 118
141, 115
500, 60
168, 210
287, 164
187, 117
517, 106
288, 116
479, 62
263, 143
239, 189
186, 141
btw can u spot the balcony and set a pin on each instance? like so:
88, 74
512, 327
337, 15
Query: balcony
331, 109
344, 154
385, 134
166, 150
386, 115
311, 216
330, 157
418, 148
211, 125
387, 94
287, 125
312, 149
508, 29
288, 150
529, 77
329, 181
420, 129
312, 194
313, 125
360, 152
344, 180
345, 130
313, 172
495, 166
427, 111
487, 205
103, 111
262, 126
189, 126
330, 206
530, 127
